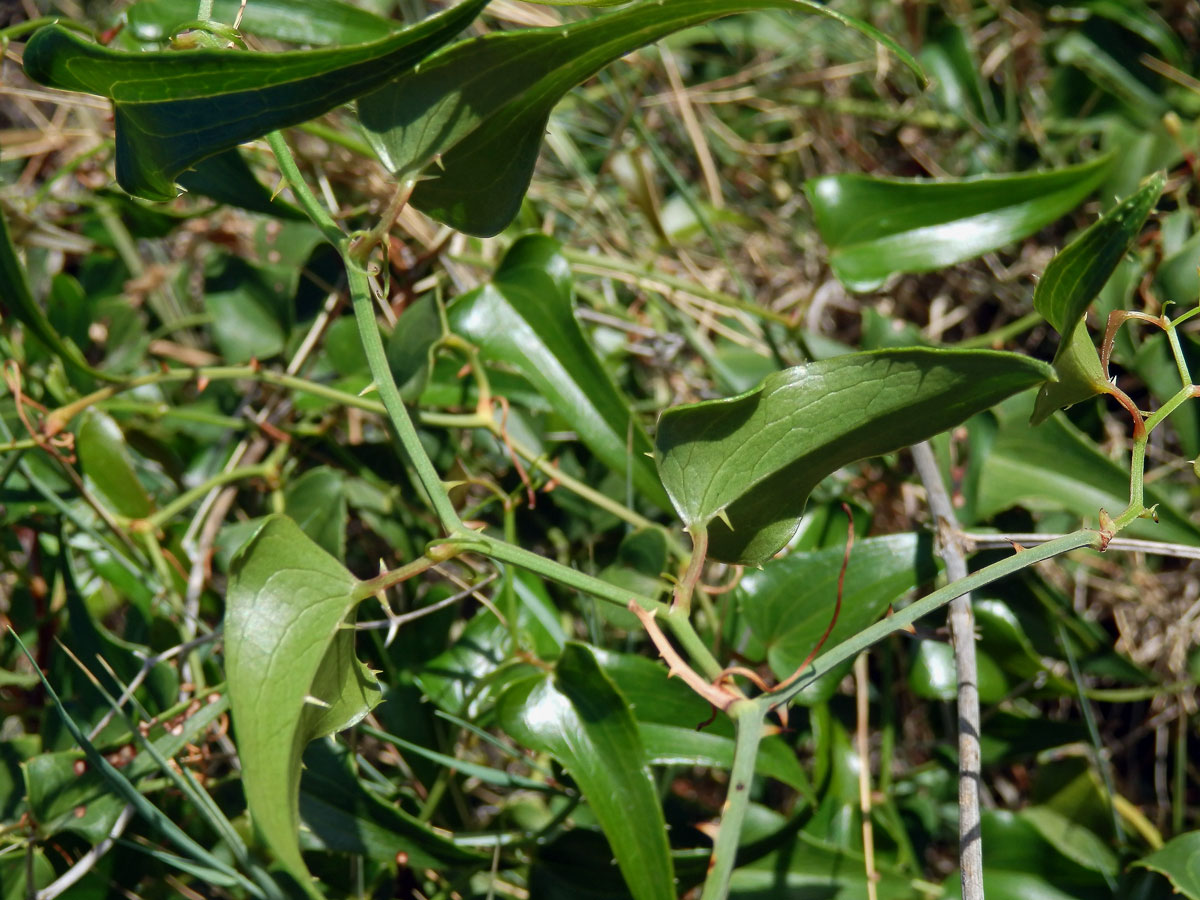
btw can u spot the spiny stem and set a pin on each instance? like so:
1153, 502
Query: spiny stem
682, 601
1137, 469
748, 720
385, 580
368, 331
304, 196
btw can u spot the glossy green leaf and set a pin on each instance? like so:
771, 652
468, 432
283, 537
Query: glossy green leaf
671, 745
876, 227
578, 716
316, 501
291, 670
16, 869
248, 321
226, 178
465, 678
789, 604
1072, 839
19, 303
108, 467
525, 318
933, 675
480, 107
314, 22
1055, 467
743, 467
1010, 885
1020, 863
173, 109
1179, 860
1080, 374
1069, 285
669, 713
68, 308
1002, 636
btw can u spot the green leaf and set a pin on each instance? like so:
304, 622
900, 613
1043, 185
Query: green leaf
950, 63
933, 675
1138, 18
342, 815
743, 467
525, 317
789, 604
1179, 860
480, 107
291, 669
1079, 271
173, 109
1054, 467
1071, 282
245, 308
316, 501
579, 718
62, 798
16, 869
876, 227
1072, 839
226, 178
314, 22
671, 745
668, 714
1080, 375
108, 467
19, 303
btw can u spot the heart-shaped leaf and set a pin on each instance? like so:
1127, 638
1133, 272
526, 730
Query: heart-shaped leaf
743, 467
578, 717
789, 604
314, 22
525, 318
875, 227
291, 669
480, 107
1071, 282
175, 108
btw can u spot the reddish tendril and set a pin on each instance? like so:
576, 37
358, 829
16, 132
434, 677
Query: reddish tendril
837, 609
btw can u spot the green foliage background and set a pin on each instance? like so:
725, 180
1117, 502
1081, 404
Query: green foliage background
200, 487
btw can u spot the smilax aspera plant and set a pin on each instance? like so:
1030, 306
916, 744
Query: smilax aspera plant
438, 414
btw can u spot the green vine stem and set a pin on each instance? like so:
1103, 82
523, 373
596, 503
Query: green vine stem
901, 619
682, 602
368, 331
152, 523
60, 418
750, 724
